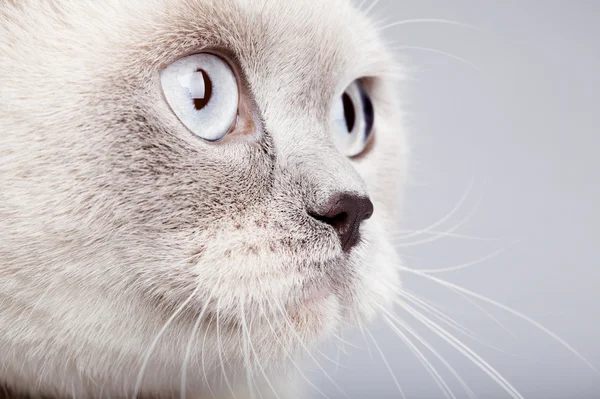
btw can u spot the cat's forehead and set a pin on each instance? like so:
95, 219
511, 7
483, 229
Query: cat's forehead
301, 43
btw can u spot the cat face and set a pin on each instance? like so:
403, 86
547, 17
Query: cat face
131, 243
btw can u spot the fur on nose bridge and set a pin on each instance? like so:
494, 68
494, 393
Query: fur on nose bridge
306, 154
324, 172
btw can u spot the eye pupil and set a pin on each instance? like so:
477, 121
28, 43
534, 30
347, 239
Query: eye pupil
349, 112
200, 101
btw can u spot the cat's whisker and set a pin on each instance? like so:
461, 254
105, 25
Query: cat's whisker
220, 351
337, 355
466, 265
482, 310
250, 382
350, 344
423, 359
332, 361
445, 218
452, 370
488, 314
362, 332
444, 53
260, 366
464, 350
190, 343
287, 354
153, 344
438, 315
438, 237
341, 348
426, 344
433, 305
202, 359
406, 294
387, 364
449, 234
429, 20
371, 7
507, 309
248, 346
361, 4
449, 321
308, 352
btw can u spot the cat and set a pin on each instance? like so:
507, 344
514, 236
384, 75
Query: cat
194, 192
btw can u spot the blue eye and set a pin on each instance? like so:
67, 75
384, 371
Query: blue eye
202, 91
353, 118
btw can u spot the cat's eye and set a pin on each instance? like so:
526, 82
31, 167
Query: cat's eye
202, 91
353, 118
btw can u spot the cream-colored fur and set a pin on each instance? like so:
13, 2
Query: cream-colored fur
113, 217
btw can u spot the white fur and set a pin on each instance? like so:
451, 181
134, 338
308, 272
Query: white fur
112, 214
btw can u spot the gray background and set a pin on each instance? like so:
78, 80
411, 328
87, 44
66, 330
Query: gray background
523, 134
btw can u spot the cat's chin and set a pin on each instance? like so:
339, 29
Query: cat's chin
318, 316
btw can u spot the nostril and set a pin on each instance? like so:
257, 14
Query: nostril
339, 221
345, 212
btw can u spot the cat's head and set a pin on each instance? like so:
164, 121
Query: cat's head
238, 160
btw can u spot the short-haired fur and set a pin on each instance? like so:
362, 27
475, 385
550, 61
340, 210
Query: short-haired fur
113, 216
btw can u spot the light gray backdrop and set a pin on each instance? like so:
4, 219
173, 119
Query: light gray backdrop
515, 126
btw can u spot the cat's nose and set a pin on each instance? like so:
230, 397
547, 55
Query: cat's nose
345, 212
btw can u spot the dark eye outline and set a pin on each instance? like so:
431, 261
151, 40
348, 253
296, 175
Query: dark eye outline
358, 108
369, 112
